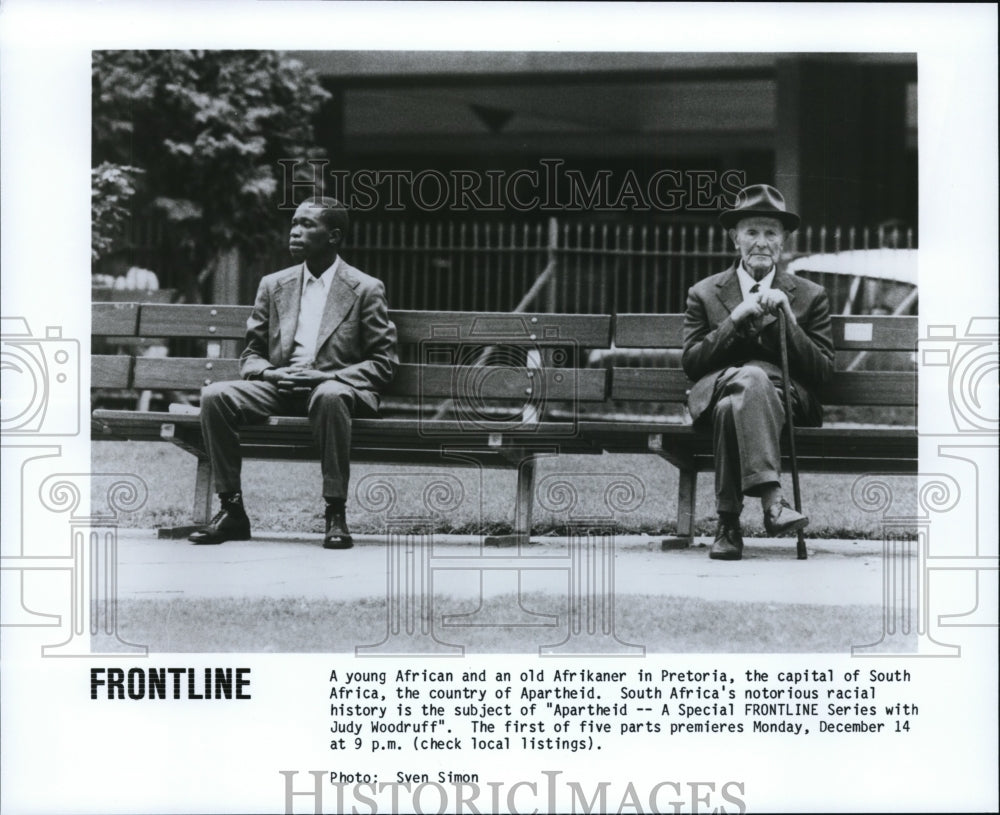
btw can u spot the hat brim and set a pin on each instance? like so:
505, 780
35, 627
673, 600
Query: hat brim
730, 218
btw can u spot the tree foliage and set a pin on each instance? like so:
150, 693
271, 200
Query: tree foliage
111, 189
196, 136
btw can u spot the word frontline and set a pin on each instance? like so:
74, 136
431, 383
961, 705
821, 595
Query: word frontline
170, 683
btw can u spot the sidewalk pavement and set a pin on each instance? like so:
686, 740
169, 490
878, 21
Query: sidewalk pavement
838, 572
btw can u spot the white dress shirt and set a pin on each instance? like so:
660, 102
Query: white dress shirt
747, 282
315, 290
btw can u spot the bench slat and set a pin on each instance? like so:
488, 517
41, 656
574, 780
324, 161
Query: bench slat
866, 332
229, 322
182, 373
887, 388
430, 438
183, 320
859, 332
833, 448
362, 428
649, 385
503, 328
110, 371
649, 330
683, 430
114, 319
468, 383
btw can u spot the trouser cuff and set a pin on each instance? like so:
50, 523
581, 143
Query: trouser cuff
752, 483
334, 489
726, 505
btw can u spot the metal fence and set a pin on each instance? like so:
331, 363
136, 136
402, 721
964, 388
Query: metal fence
449, 266
549, 266
575, 268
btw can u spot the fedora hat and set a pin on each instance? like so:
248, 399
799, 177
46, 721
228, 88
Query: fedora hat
759, 201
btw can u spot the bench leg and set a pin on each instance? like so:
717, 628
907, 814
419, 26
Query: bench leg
522, 508
202, 492
202, 510
525, 497
686, 492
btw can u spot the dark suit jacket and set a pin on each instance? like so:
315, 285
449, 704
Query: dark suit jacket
712, 342
357, 340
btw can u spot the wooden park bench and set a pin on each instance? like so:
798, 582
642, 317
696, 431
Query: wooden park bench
844, 447
497, 389
465, 411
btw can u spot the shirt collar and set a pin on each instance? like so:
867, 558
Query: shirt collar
324, 279
747, 282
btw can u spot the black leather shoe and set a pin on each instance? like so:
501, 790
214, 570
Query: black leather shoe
780, 519
230, 524
337, 535
728, 544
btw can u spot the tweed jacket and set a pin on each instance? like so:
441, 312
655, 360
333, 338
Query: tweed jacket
712, 342
356, 339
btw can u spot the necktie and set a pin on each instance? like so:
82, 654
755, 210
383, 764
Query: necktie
755, 288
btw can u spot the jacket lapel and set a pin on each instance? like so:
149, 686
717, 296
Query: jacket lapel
728, 289
785, 282
288, 295
339, 302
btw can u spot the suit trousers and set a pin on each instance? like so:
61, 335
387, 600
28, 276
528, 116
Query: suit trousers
330, 407
748, 414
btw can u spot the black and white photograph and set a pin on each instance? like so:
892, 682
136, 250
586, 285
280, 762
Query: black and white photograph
499, 422
538, 350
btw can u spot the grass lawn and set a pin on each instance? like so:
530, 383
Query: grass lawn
285, 496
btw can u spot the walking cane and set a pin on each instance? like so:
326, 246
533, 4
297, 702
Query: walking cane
786, 381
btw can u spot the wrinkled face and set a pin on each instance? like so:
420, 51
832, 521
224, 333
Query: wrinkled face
310, 237
759, 241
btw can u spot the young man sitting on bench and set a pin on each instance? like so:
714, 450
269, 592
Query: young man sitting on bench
319, 342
